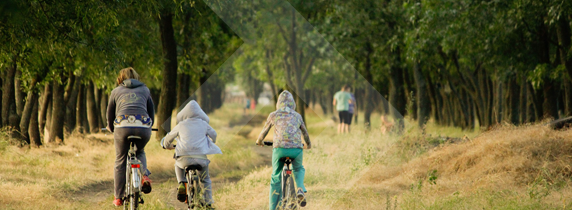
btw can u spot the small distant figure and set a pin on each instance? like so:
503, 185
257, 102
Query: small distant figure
253, 105
386, 124
247, 106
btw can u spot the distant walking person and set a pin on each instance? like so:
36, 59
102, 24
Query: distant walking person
352, 107
129, 113
247, 106
342, 101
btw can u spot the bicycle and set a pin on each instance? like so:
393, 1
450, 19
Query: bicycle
289, 198
195, 193
194, 189
133, 175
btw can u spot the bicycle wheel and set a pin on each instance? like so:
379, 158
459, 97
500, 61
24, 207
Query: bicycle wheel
290, 201
134, 201
128, 189
196, 193
189, 190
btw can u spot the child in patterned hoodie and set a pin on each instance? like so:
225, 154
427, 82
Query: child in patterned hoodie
288, 131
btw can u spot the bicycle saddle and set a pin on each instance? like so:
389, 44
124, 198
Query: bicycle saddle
193, 167
284, 159
132, 138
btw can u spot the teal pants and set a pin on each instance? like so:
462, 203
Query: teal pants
297, 167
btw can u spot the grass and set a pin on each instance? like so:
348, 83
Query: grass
509, 167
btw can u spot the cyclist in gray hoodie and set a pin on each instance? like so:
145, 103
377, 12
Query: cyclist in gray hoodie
130, 112
193, 145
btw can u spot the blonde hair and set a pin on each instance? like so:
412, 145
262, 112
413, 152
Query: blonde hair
127, 73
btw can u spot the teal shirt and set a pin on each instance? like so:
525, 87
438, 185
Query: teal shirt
342, 100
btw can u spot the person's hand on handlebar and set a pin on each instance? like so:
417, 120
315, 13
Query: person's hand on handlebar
260, 142
170, 146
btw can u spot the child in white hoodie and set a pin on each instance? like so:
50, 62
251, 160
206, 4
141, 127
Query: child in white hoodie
193, 145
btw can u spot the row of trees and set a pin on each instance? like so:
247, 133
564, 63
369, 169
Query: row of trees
59, 60
456, 62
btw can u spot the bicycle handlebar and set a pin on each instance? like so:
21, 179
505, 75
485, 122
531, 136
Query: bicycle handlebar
152, 129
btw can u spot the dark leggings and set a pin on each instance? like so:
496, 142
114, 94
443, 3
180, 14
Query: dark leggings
121, 150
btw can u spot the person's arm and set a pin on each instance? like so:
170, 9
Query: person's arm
151, 109
264, 132
211, 133
167, 141
306, 136
334, 103
111, 112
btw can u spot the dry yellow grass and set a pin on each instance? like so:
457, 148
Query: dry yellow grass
509, 167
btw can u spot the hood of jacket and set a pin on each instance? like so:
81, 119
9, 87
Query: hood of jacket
192, 110
131, 83
286, 102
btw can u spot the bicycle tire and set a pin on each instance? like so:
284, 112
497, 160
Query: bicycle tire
291, 193
189, 190
197, 193
134, 201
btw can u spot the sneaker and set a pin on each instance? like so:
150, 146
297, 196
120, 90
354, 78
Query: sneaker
182, 192
146, 187
118, 202
301, 197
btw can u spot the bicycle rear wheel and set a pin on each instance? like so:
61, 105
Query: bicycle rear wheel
289, 200
134, 201
197, 198
189, 190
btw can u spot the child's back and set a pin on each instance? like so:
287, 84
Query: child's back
288, 124
193, 145
192, 130
288, 131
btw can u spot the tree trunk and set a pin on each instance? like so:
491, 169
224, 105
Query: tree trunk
103, 108
33, 129
514, 96
8, 98
169, 73
183, 81
368, 109
58, 113
530, 108
46, 99
550, 100
410, 95
97, 97
31, 99
423, 104
92, 112
18, 92
499, 105
568, 97
564, 39
80, 108
396, 92
71, 103
523, 99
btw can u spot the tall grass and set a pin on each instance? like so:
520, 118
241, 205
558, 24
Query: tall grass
508, 167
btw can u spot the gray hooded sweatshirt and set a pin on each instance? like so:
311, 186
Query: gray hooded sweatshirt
192, 131
130, 98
